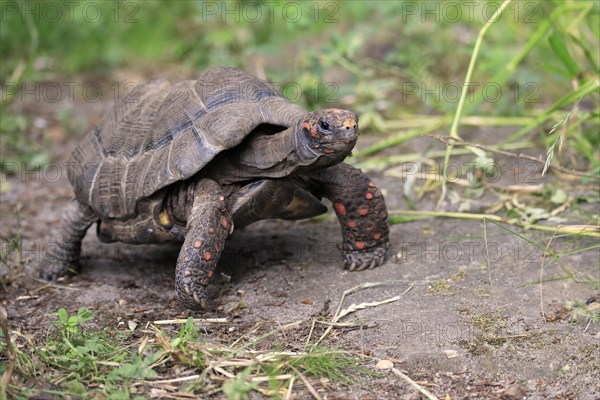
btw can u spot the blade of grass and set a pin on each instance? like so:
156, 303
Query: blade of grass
558, 46
584, 230
488, 264
588, 53
463, 96
546, 251
541, 286
568, 253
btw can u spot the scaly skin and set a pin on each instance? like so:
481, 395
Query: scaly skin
63, 254
208, 226
361, 211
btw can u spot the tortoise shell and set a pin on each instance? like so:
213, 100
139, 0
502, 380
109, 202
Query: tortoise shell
161, 134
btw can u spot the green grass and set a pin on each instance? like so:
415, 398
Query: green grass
79, 360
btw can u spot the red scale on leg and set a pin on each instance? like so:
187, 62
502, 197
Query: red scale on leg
340, 208
363, 211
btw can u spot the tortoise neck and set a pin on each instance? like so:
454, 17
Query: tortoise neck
303, 154
264, 156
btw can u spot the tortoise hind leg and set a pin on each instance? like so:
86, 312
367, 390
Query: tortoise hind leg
63, 254
208, 225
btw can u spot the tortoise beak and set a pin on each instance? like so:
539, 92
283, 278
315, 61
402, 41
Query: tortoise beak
343, 141
347, 132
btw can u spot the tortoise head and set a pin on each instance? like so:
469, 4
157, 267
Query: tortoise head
331, 132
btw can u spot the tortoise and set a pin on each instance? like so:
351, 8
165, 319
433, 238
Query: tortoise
188, 162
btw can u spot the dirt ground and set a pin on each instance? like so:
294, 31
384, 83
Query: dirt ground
463, 330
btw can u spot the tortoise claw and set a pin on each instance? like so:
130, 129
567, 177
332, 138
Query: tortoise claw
192, 298
52, 270
361, 260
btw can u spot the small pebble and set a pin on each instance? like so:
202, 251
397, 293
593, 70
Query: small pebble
384, 364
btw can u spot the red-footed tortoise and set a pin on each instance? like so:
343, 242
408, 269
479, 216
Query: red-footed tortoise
188, 162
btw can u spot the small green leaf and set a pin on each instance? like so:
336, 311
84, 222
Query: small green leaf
119, 395
559, 196
84, 315
239, 388
63, 316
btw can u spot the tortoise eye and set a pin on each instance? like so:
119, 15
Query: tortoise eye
324, 125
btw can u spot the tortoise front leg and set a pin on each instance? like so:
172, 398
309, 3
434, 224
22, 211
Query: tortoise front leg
62, 255
208, 225
361, 210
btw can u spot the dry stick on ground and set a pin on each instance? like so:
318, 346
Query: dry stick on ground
12, 357
339, 313
288, 394
310, 387
183, 321
458, 142
414, 384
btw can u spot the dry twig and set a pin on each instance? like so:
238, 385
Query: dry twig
310, 387
458, 142
414, 384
